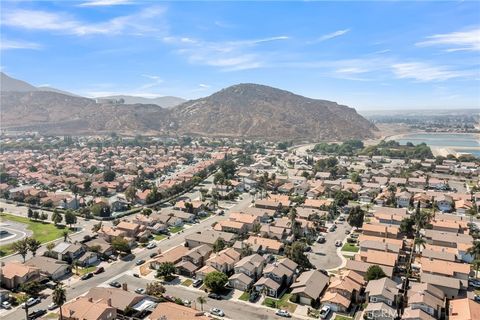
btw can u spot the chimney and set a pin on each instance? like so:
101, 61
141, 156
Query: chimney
125, 286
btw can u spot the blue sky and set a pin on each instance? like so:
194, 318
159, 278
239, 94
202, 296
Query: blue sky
368, 55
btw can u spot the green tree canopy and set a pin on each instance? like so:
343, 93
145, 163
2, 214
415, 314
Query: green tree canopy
216, 281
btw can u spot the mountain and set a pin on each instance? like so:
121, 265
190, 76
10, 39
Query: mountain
258, 111
243, 110
164, 102
10, 84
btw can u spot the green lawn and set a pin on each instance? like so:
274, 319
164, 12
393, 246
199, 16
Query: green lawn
245, 296
159, 237
350, 247
175, 229
43, 232
338, 317
282, 303
83, 271
187, 283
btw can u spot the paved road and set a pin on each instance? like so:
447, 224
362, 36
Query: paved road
120, 267
232, 309
324, 255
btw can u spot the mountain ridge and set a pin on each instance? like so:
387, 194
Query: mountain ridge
243, 110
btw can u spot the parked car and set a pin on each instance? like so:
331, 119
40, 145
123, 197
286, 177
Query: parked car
151, 245
347, 231
99, 270
253, 296
140, 291
215, 296
136, 275
217, 312
341, 218
153, 255
321, 239
338, 243
197, 283
30, 302
6, 305
476, 298
113, 257
115, 284
283, 313
324, 312
87, 276
474, 283
139, 262
37, 314
52, 306
187, 303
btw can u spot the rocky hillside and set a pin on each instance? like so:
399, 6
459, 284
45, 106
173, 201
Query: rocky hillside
244, 110
251, 110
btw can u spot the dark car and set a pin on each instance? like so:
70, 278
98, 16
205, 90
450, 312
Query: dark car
136, 275
115, 284
99, 270
153, 255
197, 283
87, 276
253, 296
37, 314
214, 296
140, 262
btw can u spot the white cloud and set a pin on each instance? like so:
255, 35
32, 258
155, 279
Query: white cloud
135, 24
6, 44
458, 41
205, 86
331, 35
155, 82
424, 72
228, 55
100, 3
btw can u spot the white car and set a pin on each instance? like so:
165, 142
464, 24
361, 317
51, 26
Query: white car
151, 245
6, 305
324, 312
283, 313
52, 306
30, 302
217, 312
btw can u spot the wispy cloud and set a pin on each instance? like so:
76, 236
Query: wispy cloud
134, 24
424, 72
456, 41
7, 44
227, 55
103, 3
329, 36
155, 82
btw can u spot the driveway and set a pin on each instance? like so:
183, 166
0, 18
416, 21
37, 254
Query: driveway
324, 255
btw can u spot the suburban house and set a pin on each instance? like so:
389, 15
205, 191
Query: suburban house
15, 273
464, 309
224, 260
49, 267
173, 311
84, 308
208, 237
251, 265
276, 277
382, 290
309, 286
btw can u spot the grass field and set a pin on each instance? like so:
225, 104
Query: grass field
82, 271
350, 247
175, 229
42, 231
245, 296
282, 303
187, 283
339, 317
159, 237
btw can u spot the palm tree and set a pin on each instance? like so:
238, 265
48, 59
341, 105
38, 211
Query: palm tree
23, 299
201, 300
419, 243
75, 265
474, 250
59, 297
50, 247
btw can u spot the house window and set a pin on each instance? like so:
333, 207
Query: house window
373, 299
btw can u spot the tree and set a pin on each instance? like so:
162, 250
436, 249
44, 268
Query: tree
33, 245
32, 288
23, 300
21, 247
56, 217
201, 300
246, 250
155, 289
355, 217
30, 213
147, 212
70, 218
36, 215
216, 281
296, 252
474, 251
131, 193
165, 270
50, 247
43, 216
59, 297
108, 175
218, 245
406, 225
374, 272
65, 235
419, 243
476, 266
121, 245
